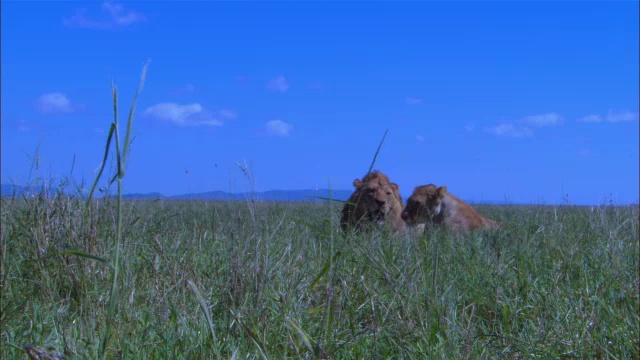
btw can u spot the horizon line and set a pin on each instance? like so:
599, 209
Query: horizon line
155, 195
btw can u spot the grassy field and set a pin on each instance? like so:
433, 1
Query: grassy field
202, 280
124, 279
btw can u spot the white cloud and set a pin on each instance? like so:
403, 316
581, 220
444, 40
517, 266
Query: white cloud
120, 16
612, 117
511, 130
413, 101
420, 138
278, 128
174, 112
625, 116
115, 16
183, 115
595, 118
522, 126
279, 84
549, 119
54, 103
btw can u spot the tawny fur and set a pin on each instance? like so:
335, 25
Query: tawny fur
435, 205
378, 203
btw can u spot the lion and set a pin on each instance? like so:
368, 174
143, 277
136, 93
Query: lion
375, 201
435, 205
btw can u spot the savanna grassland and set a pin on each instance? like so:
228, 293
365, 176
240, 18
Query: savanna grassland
201, 280
86, 277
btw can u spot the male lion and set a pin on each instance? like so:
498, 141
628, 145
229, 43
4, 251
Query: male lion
378, 202
434, 205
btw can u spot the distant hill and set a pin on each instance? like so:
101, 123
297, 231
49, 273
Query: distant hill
153, 195
309, 195
273, 195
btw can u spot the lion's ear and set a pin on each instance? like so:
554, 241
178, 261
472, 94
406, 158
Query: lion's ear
357, 183
395, 187
442, 191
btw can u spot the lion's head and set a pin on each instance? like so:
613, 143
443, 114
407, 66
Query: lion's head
430, 204
375, 200
424, 204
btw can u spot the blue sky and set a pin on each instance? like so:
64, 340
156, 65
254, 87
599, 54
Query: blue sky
516, 100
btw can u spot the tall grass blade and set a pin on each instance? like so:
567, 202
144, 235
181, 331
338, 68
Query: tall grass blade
120, 153
79, 254
251, 335
324, 270
117, 175
114, 283
330, 199
204, 307
127, 135
375, 156
373, 162
306, 340
112, 129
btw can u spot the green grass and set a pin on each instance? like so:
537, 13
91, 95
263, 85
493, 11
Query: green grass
555, 283
115, 278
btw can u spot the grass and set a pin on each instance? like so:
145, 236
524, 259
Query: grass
120, 278
200, 280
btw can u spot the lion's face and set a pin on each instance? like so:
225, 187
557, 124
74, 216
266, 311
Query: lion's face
424, 204
379, 198
376, 200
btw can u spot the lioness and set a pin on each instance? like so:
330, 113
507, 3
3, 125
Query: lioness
434, 205
378, 202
